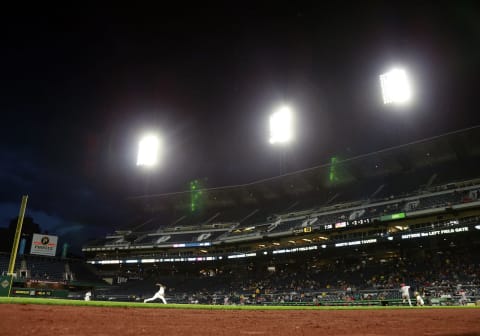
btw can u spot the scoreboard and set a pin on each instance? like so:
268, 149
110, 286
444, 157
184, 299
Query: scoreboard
349, 223
363, 221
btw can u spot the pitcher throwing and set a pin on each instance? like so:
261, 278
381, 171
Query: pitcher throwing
158, 295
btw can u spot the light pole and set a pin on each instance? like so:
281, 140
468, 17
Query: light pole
396, 87
149, 153
281, 132
397, 93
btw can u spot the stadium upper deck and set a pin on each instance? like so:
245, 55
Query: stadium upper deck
427, 178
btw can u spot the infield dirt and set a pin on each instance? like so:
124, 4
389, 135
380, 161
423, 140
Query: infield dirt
26, 319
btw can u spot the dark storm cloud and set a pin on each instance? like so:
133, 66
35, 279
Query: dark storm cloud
54, 194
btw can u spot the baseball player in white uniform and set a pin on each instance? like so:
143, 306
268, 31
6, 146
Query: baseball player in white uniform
87, 296
463, 298
158, 295
419, 299
404, 289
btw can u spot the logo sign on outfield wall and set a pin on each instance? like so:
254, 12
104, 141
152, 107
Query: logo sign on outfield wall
44, 245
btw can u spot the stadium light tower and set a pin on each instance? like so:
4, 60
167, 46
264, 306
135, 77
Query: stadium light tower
281, 133
148, 150
281, 126
396, 88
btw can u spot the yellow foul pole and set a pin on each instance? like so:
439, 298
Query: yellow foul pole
16, 240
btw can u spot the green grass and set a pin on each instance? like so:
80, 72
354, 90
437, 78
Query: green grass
64, 302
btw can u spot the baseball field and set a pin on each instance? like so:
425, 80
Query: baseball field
25, 316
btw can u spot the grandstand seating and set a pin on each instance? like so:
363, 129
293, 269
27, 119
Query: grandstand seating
174, 238
49, 268
432, 190
4, 260
355, 277
272, 220
285, 226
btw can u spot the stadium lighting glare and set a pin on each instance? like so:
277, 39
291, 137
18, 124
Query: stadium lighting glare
281, 126
148, 150
396, 87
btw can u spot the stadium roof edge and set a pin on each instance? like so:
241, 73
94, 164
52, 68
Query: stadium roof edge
449, 146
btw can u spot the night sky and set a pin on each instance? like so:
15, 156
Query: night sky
80, 84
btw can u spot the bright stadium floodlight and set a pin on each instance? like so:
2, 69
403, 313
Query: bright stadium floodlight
148, 149
396, 87
281, 126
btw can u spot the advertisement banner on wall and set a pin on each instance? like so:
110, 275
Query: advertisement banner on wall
44, 245
5, 283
